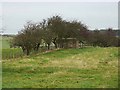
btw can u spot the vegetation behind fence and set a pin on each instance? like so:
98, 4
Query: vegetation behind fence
11, 53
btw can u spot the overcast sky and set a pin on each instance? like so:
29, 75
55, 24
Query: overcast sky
95, 15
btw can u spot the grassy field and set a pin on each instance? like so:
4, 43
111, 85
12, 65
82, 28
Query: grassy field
7, 52
11, 53
4, 41
70, 68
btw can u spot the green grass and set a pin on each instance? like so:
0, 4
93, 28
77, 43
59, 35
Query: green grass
11, 53
7, 52
67, 68
4, 41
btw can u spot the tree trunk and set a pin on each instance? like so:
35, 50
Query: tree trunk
48, 46
37, 47
61, 45
54, 41
55, 45
23, 49
28, 52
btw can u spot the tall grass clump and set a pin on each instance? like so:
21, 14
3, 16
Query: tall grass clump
10, 53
